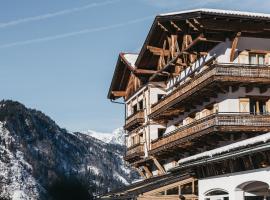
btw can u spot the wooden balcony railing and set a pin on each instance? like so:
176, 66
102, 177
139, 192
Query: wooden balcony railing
234, 73
134, 120
134, 152
220, 122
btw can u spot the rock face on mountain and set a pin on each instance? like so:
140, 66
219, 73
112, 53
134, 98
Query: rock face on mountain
35, 151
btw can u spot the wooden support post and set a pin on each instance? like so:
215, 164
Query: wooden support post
234, 45
193, 187
141, 173
158, 51
159, 166
147, 171
199, 38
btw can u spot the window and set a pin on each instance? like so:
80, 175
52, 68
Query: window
132, 141
141, 105
186, 189
257, 106
141, 138
160, 96
256, 59
161, 132
134, 108
173, 191
217, 194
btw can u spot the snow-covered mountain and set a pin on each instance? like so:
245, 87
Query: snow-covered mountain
116, 137
35, 151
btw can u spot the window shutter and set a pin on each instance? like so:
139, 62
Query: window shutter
244, 105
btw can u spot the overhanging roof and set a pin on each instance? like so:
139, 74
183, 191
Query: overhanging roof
221, 12
133, 190
244, 147
124, 67
209, 21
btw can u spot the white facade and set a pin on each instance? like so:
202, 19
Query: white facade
237, 185
229, 102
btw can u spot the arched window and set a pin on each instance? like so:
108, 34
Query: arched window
217, 194
255, 190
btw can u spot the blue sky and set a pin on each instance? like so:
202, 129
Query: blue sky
59, 56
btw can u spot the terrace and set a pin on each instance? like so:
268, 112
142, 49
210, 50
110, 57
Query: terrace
215, 79
219, 122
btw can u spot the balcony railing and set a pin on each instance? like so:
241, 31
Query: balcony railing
135, 152
220, 122
134, 120
234, 73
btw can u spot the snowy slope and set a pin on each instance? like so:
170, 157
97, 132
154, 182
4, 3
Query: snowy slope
15, 171
35, 151
116, 137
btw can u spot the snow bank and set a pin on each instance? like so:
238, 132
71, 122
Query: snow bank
251, 141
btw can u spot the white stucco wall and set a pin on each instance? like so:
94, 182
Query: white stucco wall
230, 182
227, 103
222, 53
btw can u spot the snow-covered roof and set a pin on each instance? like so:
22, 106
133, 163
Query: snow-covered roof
131, 58
251, 141
218, 11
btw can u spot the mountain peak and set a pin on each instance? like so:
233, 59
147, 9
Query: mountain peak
116, 137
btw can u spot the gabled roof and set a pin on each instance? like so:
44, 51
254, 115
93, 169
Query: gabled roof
130, 58
221, 12
208, 21
124, 67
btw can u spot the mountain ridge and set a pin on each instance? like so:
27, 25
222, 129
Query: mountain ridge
32, 144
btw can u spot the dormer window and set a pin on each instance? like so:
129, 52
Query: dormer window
256, 59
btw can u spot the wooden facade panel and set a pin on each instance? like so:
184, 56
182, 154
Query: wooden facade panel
134, 120
215, 122
215, 74
135, 152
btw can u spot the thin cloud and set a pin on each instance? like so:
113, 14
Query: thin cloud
75, 33
56, 14
181, 4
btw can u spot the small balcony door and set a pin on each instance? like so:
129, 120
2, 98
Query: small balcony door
258, 106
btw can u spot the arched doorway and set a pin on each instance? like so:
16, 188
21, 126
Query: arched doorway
216, 194
255, 190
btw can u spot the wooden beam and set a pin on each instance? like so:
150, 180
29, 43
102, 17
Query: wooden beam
141, 173
198, 39
159, 166
119, 93
162, 27
144, 71
147, 171
234, 45
192, 25
223, 25
158, 51
176, 26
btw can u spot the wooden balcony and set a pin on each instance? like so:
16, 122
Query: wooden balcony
134, 120
134, 153
220, 122
215, 79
